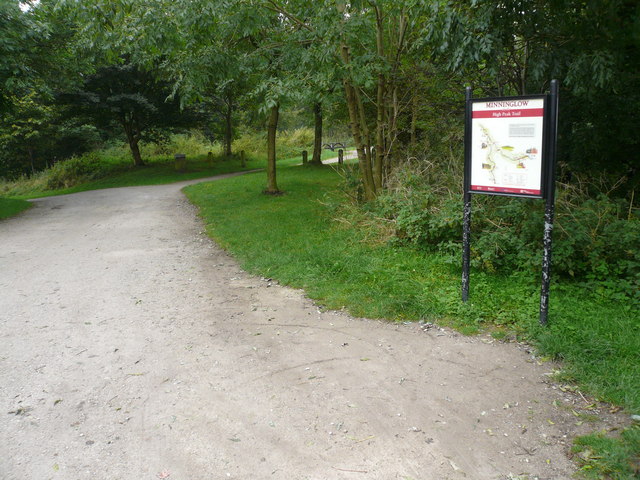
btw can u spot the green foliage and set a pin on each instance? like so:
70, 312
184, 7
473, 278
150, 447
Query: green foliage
595, 235
35, 50
34, 133
132, 100
18, 34
593, 48
192, 144
289, 143
77, 170
603, 457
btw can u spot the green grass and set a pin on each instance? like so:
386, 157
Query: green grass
12, 206
293, 239
156, 172
612, 458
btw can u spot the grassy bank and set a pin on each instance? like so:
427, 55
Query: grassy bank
92, 173
12, 206
293, 239
111, 167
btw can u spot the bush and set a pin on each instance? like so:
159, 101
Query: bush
77, 170
288, 143
595, 235
192, 145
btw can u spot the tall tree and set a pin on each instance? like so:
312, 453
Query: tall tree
36, 60
203, 47
133, 99
592, 47
366, 43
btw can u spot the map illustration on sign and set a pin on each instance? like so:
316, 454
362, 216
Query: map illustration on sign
506, 150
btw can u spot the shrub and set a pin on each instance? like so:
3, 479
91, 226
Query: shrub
77, 170
288, 143
595, 235
192, 144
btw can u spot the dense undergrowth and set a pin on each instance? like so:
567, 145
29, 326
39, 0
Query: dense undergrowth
596, 236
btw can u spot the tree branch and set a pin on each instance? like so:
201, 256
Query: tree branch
279, 9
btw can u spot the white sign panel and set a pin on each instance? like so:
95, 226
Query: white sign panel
506, 146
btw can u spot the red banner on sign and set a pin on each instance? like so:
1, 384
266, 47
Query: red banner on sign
517, 191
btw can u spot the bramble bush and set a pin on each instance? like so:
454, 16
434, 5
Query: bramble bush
76, 170
596, 236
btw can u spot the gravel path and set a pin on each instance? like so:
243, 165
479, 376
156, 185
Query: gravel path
131, 347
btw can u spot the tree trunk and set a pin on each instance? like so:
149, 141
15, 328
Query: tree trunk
317, 138
414, 118
228, 127
33, 167
133, 137
272, 127
366, 135
359, 130
135, 151
361, 148
392, 130
380, 107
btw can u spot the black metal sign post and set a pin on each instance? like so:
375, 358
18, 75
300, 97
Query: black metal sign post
466, 219
550, 187
510, 150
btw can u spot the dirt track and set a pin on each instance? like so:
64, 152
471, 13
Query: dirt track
131, 347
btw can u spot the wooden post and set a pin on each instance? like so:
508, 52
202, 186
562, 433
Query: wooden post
305, 157
181, 162
340, 156
243, 160
210, 159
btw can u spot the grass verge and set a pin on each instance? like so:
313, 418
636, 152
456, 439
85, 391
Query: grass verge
12, 206
293, 239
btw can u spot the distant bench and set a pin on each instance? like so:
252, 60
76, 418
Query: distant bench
333, 146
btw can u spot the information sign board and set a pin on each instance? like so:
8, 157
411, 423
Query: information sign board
507, 146
510, 149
